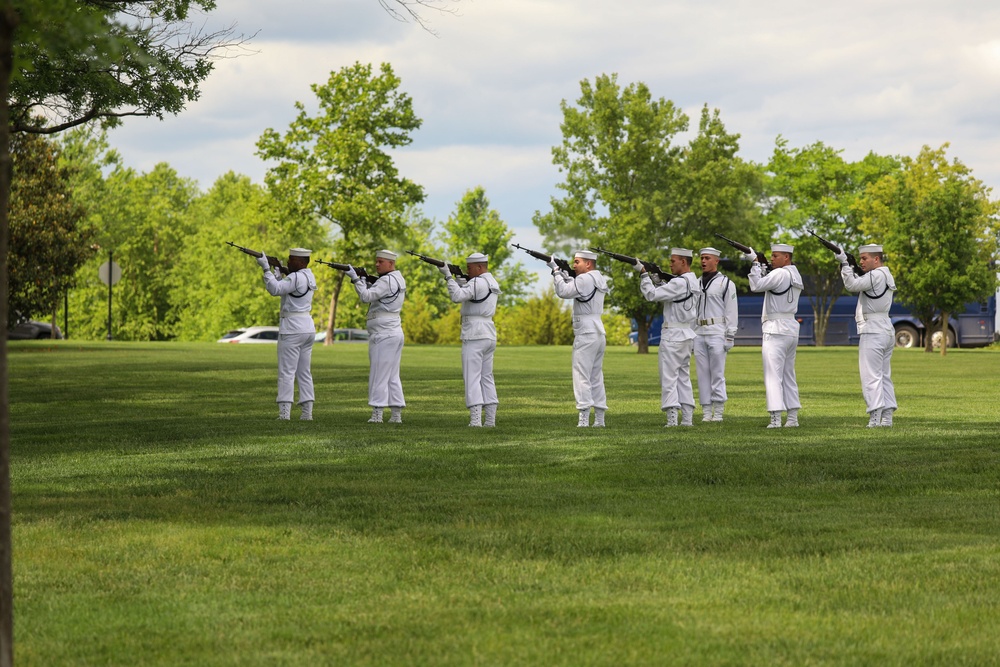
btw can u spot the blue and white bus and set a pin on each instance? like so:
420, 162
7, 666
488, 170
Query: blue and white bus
974, 327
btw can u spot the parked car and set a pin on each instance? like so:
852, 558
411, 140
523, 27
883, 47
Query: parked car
344, 336
251, 335
32, 329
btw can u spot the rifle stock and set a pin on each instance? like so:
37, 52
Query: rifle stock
561, 263
344, 267
455, 271
272, 261
745, 249
836, 249
651, 267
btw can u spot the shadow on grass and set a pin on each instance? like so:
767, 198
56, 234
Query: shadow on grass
564, 494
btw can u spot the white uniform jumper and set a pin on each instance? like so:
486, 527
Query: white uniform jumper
478, 297
878, 336
718, 320
680, 298
385, 337
782, 287
587, 291
296, 333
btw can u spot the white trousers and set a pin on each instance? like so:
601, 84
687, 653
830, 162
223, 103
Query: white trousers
477, 371
710, 366
675, 373
780, 387
874, 357
588, 372
384, 352
294, 360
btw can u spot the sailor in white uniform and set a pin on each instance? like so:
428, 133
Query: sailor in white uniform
385, 336
296, 330
680, 296
478, 296
714, 335
781, 286
586, 288
877, 335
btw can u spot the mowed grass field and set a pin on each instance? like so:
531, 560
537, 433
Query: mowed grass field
163, 516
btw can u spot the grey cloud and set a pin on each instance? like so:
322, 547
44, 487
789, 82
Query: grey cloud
887, 76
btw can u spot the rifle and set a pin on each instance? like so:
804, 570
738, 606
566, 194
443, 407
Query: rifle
745, 249
344, 267
455, 271
830, 245
272, 261
561, 263
651, 267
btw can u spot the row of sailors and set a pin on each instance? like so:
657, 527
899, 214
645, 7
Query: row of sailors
699, 319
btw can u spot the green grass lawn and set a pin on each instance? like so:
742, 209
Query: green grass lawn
163, 516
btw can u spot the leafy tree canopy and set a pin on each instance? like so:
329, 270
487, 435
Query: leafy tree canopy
939, 229
77, 61
48, 240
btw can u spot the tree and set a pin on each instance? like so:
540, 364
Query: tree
213, 287
619, 164
67, 57
139, 58
540, 320
47, 240
143, 220
430, 316
939, 230
337, 166
475, 227
814, 188
629, 189
410, 9
83, 61
718, 192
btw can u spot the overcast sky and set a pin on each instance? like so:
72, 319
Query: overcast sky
859, 75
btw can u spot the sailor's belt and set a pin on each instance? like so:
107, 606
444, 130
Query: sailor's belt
381, 315
779, 316
467, 318
711, 320
874, 316
286, 316
582, 318
678, 325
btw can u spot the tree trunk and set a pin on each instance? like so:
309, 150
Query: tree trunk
928, 320
8, 25
334, 300
642, 333
945, 316
821, 319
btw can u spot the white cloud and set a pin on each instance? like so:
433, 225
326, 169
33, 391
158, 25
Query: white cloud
889, 76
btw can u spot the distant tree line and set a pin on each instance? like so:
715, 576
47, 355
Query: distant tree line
629, 186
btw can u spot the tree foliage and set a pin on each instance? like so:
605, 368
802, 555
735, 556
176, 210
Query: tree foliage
541, 320
717, 192
939, 228
213, 287
337, 165
140, 218
475, 227
619, 165
630, 188
79, 61
48, 241
429, 315
815, 188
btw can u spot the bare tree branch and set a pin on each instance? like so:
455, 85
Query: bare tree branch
406, 10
